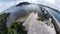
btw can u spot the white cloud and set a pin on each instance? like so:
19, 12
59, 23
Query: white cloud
18, 2
10, 4
1, 3
50, 1
32, 1
57, 6
7, 6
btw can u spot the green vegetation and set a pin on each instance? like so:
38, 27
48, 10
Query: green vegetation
3, 18
15, 28
41, 19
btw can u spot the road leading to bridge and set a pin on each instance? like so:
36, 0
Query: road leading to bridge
37, 27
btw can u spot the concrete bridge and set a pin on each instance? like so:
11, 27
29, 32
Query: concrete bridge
37, 27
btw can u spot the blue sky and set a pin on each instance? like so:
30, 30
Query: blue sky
5, 4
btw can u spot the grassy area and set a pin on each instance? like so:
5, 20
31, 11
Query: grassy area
15, 28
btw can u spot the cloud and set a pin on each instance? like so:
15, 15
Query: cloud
8, 5
32, 1
50, 1
2, 4
57, 6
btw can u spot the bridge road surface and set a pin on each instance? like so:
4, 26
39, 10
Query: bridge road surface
54, 14
37, 27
